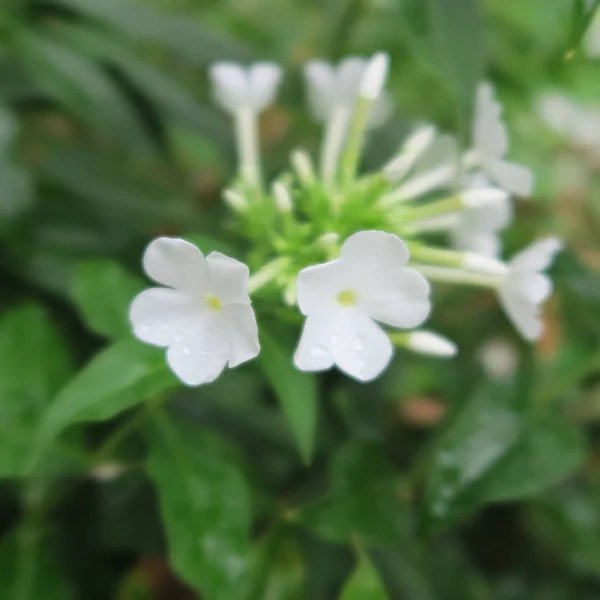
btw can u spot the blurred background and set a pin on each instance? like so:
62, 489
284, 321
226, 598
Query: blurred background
108, 137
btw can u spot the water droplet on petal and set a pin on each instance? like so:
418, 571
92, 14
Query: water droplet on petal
178, 338
203, 353
318, 351
145, 329
186, 350
164, 326
334, 338
357, 345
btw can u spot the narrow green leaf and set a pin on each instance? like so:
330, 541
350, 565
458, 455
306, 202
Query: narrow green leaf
34, 365
549, 450
364, 583
103, 291
80, 86
482, 433
457, 34
205, 507
184, 37
296, 391
118, 378
364, 499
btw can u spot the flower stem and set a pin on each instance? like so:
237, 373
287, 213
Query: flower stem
246, 128
434, 209
356, 137
458, 276
266, 274
333, 142
437, 256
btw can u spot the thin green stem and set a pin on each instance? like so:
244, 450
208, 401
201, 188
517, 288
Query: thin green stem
356, 137
458, 276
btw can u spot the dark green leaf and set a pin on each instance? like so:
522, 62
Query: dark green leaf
103, 291
364, 583
80, 86
34, 365
457, 35
205, 507
549, 450
482, 433
16, 195
118, 378
296, 391
364, 499
182, 36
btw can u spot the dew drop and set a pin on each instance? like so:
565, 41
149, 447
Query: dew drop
334, 338
203, 353
186, 350
357, 345
164, 326
317, 351
177, 338
145, 329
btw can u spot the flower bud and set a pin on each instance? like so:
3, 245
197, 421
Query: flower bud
374, 77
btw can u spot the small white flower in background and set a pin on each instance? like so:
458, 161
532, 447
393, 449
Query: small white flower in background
333, 90
342, 300
525, 287
203, 316
490, 141
238, 88
477, 228
431, 344
499, 358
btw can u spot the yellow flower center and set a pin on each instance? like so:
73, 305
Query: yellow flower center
213, 302
347, 298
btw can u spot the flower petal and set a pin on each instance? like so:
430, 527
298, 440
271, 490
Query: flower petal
348, 77
239, 322
534, 288
538, 256
230, 85
489, 133
401, 300
320, 82
228, 278
264, 79
314, 352
319, 285
372, 256
360, 348
158, 314
176, 263
471, 240
514, 178
200, 351
524, 315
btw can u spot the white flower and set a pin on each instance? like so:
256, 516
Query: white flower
335, 88
237, 88
203, 316
491, 145
342, 300
525, 288
477, 227
432, 344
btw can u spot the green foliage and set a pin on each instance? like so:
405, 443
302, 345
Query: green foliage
441, 482
296, 391
205, 506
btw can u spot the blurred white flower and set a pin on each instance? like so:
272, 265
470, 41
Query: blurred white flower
525, 288
342, 300
203, 316
238, 88
499, 358
477, 228
490, 141
335, 88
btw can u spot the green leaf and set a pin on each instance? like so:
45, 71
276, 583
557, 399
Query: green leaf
364, 583
29, 568
364, 499
549, 450
81, 86
17, 191
118, 378
296, 391
34, 365
492, 453
184, 37
457, 36
205, 507
483, 432
103, 291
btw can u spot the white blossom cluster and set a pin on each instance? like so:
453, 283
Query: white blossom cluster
350, 252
